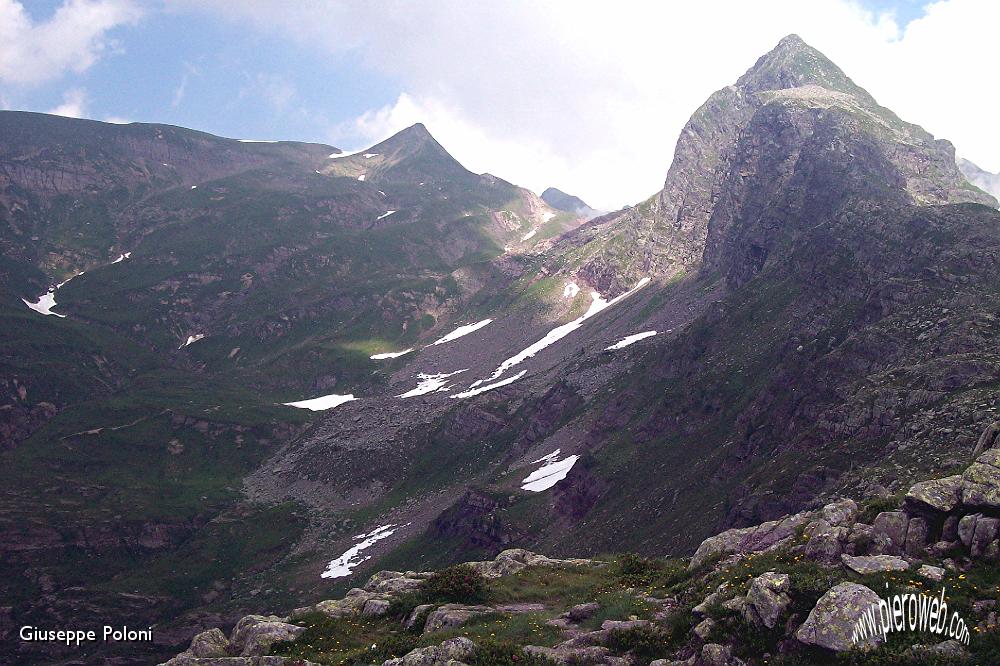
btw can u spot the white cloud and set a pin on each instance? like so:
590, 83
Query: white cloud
72, 39
590, 97
74, 104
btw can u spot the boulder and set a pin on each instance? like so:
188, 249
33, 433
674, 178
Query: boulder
623, 625
375, 608
395, 582
917, 531
450, 616
830, 624
704, 628
583, 656
967, 527
418, 614
823, 540
451, 652
985, 533
767, 599
981, 481
743, 540
843, 512
987, 439
581, 612
721, 593
929, 572
515, 559
254, 634
713, 654
892, 525
211, 643
943, 495
867, 564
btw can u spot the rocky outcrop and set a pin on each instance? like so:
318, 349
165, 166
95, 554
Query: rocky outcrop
831, 622
767, 599
759, 538
449, 653
514, 560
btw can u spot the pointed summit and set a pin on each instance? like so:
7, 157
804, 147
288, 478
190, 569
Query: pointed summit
794, 64
410, 155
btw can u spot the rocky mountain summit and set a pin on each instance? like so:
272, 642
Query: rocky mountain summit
790, 591
567, 202
981, 178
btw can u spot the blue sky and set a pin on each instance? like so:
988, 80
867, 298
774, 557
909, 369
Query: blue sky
587, 97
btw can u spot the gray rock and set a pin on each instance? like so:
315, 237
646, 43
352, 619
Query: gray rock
704, 628
942, 495
623, 625
211, 643
917, 532
418, 614
824, 541
755, 539
721, 593
931, 572
842, 512
713, 654
767, 599
967, 528
451, 652
581, 612
515, 559
449, 616
987, 439
867, 564
981, 481
831, 622
375, 608
892, 525
584, 656
254, 634
984, 534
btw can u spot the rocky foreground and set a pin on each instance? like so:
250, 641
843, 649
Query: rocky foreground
789, 591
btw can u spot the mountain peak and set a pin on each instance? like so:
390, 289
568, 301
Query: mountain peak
793, 64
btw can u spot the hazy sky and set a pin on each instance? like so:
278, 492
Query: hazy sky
586, 96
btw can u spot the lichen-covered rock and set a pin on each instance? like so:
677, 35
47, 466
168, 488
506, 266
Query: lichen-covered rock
449, 616
831, 622
417, 615
942, 495
395, 582
581, 612
767, 599
254, 634
754, 539
824, 542
451, 652
375, 608
704, 628
967, 527
515, 559
981, 481
713, 654
985, 533
211, 643
892, 525
583, 656
929, 572
840, 513
867, 564
721, 593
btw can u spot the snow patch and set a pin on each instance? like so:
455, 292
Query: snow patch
430, 383
547, 216
368, 156
530, 234
322, 403
597, 305
122, 257
379, 357
192, 339
626, 341
489, 387
549, 474
462, 330
194, 187
571, 290
342, 566
45, 303
361, 178
385, 214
